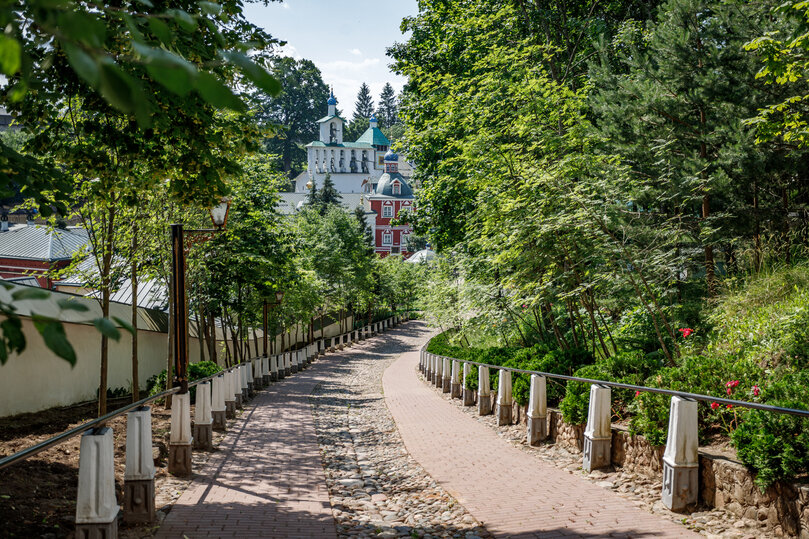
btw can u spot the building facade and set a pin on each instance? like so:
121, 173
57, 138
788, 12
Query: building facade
365, 173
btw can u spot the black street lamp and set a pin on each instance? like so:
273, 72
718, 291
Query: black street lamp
179, 300
279, 296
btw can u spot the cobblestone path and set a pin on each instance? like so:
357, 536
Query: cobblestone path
512, 493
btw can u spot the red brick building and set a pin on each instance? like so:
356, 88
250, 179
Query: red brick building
392, 195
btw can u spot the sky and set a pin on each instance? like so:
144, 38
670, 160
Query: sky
346, 39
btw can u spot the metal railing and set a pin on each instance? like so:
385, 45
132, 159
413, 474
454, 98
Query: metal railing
661, 391
98, 422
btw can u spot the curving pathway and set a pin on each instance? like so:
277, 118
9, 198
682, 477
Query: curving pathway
512, 493
266, 479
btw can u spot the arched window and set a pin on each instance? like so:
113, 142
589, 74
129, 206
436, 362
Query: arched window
397, 188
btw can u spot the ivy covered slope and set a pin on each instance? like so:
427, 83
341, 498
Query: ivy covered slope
752, 346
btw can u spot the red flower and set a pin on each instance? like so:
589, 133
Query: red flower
714, 405
637, 393
729, 391
686, 332
756, 391
730, 406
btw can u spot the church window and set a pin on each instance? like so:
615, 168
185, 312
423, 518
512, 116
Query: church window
387, 238
397, 188
387, 212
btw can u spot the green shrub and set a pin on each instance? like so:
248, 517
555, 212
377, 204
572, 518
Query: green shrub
625, 368
577, 394
776, 445
693, 374
196, 371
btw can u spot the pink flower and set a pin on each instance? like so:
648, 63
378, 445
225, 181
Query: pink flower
729, 390
756, 391
714, 405
523, 305
686, 332
637, 393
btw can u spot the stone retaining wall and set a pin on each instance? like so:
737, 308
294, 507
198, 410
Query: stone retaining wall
724, 483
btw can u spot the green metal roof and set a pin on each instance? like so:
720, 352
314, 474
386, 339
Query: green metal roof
327, 118
374, 137
356, 145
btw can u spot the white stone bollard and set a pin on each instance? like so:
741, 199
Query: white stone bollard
468, 394
680, 460
537, 410
236, 381
229, 395
258, 378
248, 378
439, 371
288, 363
218, 407
245, 371
275, 372
446, 379
265, 370
484, 392
203, 418
293, 361
505, 401
180, 436
139, 505
455, 380
96, 505
598, 432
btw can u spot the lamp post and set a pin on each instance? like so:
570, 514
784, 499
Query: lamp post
219, 217
279, 296
180, 438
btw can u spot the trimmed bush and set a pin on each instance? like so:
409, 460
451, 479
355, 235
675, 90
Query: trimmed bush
776, 446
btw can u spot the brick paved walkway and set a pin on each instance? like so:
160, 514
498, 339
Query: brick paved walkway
266, 480
512, 493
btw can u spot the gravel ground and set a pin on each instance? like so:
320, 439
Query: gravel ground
639, 490
376, 488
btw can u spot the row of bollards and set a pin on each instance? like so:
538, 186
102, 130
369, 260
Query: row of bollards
680, 461
216, 401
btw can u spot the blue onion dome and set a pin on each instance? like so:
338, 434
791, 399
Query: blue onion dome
391, 156
332, 100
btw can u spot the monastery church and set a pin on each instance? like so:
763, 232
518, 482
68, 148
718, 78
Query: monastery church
365, 173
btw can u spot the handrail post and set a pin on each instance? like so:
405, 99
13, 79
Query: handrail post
243, 379
248, 378
180, 437
265, 370
439, 371
230, 395
218, 406
505, 401
598, 432
484, 392
680, 460
293, 361
274, 372
468, 394
258, 377
96, 505
446, 378
203, 420
537, 410
288, 363
139, 502
455, 380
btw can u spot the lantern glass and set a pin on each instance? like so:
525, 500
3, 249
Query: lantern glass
279, 296
219, 213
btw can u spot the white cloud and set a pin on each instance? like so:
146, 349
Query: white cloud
290, 51
346, 65
356, 52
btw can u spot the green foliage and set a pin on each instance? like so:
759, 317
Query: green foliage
196, 371
694, 374
776, 446
765, 318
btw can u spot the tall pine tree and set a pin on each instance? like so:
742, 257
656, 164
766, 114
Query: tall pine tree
388, 111
328, 195
363, 109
